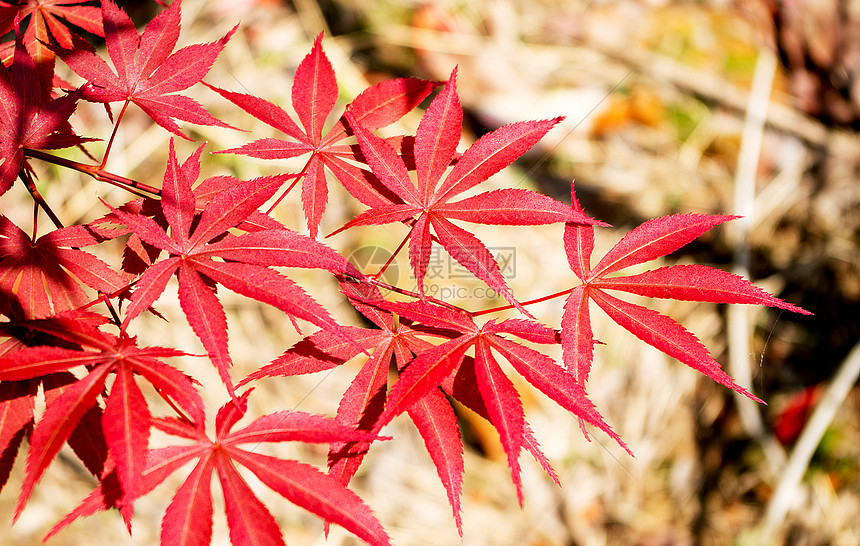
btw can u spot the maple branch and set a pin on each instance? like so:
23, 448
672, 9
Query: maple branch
26, 177
103, 297
35, 220
95, 171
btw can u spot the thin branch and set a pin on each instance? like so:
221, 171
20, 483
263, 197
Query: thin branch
30, 184
96, 172
845, 378
744, 205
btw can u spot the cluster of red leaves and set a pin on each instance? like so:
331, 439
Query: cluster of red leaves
213, 233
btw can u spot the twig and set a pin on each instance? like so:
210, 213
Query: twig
744, 205
846, 376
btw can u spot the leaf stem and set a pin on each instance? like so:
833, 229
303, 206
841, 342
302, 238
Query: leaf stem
391, 259
416, 295
113, 134
524, 303
298, 177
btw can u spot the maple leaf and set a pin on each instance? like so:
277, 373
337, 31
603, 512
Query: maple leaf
363, 402
125, 420
427, 202
188, 518
653, 239
146, 70
27, 118
42, 275
17, 397
243, 261
314, 95
488, 390
46, 15
46, 24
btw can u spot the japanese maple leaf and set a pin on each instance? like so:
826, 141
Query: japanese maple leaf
364, 400
17, 397
653, 239
146, 70
314, 95
427, 202
125, 421
495, 396
46, 22
209, 253
44, 276
27, 118
188, 518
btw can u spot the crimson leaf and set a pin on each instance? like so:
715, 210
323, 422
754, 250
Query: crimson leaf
314, 95
188, 518
426, 203
211, 253
653, 239
126, 420
146, 70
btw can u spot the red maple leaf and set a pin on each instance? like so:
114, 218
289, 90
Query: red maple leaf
480, 384
653, 239
188, 519
146, 70
45, 22
427, 203
28, 119
125, 421
46, 27
42, 277
210, 253
314, 95
364, 400
17, 397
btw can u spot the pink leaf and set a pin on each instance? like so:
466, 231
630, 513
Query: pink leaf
314, 90
384, 103
512, 207
188, 519
206, 317
578, 242
655, 238
695, 283
503, 407
553, 381
55, 426
126, 428
316, 492
577, 340
437, 138
667, 335
437, 424
249, 521
385, 162
492, 153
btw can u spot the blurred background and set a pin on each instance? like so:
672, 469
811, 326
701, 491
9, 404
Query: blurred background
714, 106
